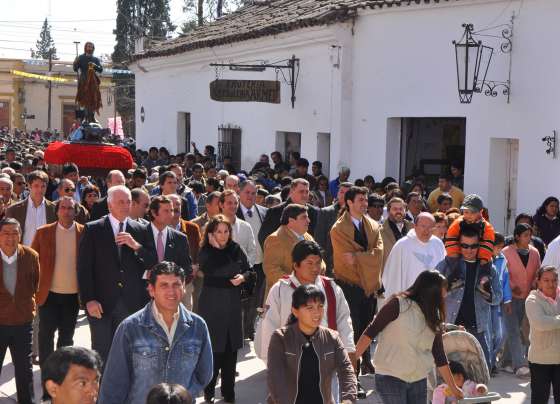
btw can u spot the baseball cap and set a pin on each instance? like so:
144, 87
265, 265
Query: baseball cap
473, 202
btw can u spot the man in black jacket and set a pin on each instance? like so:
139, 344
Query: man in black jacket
111, 262
299, 194
163, 242
325, 220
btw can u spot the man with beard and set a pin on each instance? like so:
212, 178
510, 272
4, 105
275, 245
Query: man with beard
395, 227
81, 66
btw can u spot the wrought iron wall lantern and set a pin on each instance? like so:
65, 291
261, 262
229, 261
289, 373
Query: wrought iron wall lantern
473, 59
290, 65
551, 143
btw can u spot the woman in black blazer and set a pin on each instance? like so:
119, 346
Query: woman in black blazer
225, 269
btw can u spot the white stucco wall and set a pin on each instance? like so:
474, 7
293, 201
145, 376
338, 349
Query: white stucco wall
406, 68
399, 62
163, 92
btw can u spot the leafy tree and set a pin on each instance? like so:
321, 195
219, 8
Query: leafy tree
200, 12
136, 19
45, 44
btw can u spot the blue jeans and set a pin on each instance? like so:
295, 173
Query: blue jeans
496, 333
396, 391
483, 339
513, 328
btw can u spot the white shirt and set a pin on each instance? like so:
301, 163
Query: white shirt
115, 224
256, 222
169, 332
35, 217
155, 231
356, 222
552, 256
242, 234
408, 258
9, 260
279, 307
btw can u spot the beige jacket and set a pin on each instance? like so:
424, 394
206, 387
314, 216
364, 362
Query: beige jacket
366, 271
389, 239
277, 257
544, 337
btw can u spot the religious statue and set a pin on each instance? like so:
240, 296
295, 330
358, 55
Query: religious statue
88, 96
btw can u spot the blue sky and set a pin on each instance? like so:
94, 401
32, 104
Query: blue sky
71, 20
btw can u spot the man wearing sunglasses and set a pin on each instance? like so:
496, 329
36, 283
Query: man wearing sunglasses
472, 288
67, 188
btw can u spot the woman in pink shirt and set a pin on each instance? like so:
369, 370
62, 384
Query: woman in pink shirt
523, 263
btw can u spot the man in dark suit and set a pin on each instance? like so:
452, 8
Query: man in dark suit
253, 214
326, 219
299, 194
111, 262
163, 242
100, 208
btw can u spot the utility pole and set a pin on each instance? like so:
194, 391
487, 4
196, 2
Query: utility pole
50, 90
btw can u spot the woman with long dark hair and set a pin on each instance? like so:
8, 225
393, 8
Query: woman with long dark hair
303, 357
547, 220
409, 328
225, 268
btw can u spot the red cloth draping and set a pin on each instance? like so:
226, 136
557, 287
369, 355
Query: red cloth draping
89, 155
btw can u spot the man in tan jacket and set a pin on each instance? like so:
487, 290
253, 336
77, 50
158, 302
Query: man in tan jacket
395, 227
358, 257
277, 261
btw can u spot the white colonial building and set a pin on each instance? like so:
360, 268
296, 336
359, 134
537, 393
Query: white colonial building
377, 91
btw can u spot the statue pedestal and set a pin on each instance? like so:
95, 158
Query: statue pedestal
94, 133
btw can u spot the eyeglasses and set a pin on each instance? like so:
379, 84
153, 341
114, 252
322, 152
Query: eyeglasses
20, 183
377, 206
470, 246
69, 189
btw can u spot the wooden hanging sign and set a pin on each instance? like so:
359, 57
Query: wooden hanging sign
245, 91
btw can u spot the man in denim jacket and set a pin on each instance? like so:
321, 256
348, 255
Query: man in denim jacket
163, 342
472, 289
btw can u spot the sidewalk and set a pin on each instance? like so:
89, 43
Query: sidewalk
251, 383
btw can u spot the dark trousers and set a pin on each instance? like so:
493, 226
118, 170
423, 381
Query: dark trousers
249, 306
102, 329
59, 312
225, 362
362, 309
542, 376
18, 339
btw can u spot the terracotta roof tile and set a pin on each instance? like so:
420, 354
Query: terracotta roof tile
270, 17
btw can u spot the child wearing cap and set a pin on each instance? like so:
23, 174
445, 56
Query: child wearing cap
472, 217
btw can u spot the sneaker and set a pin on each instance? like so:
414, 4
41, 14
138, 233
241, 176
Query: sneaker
523, 371
508, 369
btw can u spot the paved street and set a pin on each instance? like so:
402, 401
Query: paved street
251, 383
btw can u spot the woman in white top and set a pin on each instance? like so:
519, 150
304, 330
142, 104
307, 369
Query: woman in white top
409, 329
543, 311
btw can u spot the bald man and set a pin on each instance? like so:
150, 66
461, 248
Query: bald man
418, 251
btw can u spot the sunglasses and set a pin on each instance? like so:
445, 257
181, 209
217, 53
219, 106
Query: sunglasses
69, 189
470, 246
377, 206
20, 183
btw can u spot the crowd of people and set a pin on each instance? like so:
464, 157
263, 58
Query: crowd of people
180, 260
